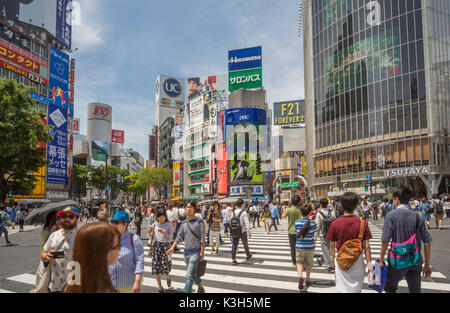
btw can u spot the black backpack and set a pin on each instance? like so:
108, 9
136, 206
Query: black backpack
438, 208
304, 230
326, 222
235, 225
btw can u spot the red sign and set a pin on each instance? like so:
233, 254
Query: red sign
76, 126
14, 56
102, 111
31, 76
152, 148
42, 144
222, 169
118, 136
72, 81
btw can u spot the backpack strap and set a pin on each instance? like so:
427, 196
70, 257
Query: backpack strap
417, 223
361, 230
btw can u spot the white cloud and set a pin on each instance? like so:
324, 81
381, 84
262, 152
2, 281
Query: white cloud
93, 29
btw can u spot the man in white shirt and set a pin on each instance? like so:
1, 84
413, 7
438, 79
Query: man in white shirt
366, 207
241, 233
225, 211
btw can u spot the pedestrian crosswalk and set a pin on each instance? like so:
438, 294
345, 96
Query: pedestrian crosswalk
269, 271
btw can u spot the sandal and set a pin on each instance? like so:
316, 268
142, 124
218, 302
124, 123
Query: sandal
161, 290
169, 281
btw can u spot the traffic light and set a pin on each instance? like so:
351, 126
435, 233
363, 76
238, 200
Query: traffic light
10, 195
131, 181
366, 188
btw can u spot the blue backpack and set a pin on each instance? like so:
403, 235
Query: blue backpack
405, 254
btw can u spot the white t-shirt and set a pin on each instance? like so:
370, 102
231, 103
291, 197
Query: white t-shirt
170, 216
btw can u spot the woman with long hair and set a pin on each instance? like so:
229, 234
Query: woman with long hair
94, 257
215, 217
51, 224
161, 234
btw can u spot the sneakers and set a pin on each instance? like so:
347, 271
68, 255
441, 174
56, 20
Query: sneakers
330, 270
308, 283
319, 261
249, 257
169, 281
300, 284
234, 262
201, 290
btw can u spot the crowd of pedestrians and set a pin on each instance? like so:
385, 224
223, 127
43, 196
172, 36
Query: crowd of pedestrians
341, 228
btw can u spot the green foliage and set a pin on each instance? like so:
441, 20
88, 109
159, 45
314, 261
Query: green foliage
158, 178
21, 131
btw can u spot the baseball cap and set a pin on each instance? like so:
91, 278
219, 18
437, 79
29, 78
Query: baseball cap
121, 216
69, 210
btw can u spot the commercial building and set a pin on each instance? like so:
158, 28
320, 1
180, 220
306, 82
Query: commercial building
377, 94
27, 54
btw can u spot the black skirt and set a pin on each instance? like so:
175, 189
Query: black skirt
160, 261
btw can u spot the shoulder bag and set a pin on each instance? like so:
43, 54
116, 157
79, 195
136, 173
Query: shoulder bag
201, 265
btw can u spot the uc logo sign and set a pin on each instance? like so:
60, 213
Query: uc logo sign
172, 87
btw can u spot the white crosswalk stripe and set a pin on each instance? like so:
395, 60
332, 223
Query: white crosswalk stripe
270, 269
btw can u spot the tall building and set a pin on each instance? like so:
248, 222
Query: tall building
377, 94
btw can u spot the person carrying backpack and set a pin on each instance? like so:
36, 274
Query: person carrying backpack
438, 206
405, 230
293, 214
239, 229
350, 236
324, 218
305, 228
425, 210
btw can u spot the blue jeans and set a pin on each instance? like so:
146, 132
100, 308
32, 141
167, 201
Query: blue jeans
191, 260
4, 230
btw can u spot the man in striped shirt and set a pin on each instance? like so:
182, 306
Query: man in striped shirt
305, 245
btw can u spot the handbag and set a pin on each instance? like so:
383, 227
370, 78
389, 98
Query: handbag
43, 276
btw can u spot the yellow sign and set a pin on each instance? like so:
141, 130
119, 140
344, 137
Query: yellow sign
285, 173
39, 186
303, 166
176, 173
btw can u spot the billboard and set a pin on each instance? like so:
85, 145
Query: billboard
196, 112
176, 173
222, 169
246, 79
152, 148
59, 76
118, 136
76, 125
245, 120
243, 59
100, 149
57, 117
53, 15
241, 191
19, 57
178, 135
197, 86
289, 113
244, 170
170, 91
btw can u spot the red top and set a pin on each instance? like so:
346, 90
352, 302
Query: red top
347, 228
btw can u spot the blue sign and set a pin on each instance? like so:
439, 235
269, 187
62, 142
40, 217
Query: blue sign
108, 188
39, 98
244, 59
172, 87
63, 22
245, 115
368, 178
57, 117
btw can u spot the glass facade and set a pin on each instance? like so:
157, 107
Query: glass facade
372, 109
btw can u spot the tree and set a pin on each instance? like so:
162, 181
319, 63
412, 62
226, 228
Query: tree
137, 184
21, 131
80, 178
158, 178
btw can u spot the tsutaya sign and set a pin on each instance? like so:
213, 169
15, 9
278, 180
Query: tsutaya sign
409, 171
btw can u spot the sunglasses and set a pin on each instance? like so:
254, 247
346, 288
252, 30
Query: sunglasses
116, 222
68, 216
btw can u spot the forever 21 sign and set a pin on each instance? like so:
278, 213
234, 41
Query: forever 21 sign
408, 171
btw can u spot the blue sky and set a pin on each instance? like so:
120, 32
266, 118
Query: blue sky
123, 45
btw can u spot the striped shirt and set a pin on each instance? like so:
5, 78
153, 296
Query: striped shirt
192, 244
307, 242
129, 263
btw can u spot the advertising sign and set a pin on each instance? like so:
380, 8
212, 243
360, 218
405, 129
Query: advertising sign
152, 148
303, 166
289, 113
176, 173
243, 59
245, 115
196, 112
241, 191
59, 76
246, 79
170, 91
245, 170
21, 59
118, 136
55, 16
245, 120
31, 76
72, 81
57, 148
285, 173
290, 185
76, 125
222, 169
409, 171
213, 121
100, 149
200, 85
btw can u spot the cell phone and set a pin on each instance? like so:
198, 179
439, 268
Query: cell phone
58, 255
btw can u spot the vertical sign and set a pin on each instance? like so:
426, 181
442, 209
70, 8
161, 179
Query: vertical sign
57, 117
118, 136
245, 68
